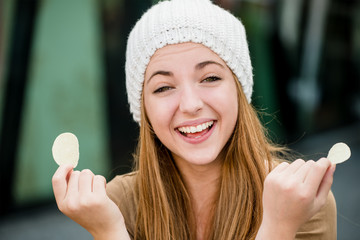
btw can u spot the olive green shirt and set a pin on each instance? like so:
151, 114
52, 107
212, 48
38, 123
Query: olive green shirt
322, 226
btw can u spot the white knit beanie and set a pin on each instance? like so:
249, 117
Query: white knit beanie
179, 21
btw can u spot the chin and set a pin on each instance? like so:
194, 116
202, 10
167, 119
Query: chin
200, 160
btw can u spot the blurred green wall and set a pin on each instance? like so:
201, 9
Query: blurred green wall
64, 94
257, 23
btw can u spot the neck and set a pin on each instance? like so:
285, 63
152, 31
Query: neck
201, 180
202, 183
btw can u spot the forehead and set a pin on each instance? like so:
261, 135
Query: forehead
194, 52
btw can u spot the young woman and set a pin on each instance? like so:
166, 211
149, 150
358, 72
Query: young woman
204, 167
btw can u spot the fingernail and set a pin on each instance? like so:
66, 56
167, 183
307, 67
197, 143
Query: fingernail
333, 168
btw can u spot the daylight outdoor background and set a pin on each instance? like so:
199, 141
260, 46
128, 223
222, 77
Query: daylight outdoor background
62, 69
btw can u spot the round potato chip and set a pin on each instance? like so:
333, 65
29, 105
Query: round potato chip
339, 153
65, 149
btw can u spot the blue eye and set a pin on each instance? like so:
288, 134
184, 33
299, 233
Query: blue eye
211, 79
162, 89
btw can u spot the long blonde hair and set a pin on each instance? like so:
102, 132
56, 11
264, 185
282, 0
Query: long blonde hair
164, 206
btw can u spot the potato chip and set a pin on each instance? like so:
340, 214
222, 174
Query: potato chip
339, 153
65, 149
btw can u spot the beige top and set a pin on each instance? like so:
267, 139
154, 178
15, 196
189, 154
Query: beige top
322, 226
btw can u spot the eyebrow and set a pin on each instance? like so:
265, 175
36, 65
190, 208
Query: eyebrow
205, 63
198, 66
160, 72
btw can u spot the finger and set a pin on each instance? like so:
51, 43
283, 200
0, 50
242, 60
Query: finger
73, 185
326, 182
60, 181
304, 170
294, 166
85, 182
316, 174
99, 184
281, 167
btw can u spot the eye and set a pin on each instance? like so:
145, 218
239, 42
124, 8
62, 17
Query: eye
211, 79
162, 89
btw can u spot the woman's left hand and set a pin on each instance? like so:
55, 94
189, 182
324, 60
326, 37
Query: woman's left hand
293, 193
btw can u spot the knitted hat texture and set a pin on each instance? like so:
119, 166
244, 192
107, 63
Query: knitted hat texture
179, 21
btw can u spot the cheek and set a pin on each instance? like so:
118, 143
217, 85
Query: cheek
226, 102
159, 112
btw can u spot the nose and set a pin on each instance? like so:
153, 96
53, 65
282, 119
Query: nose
190, 100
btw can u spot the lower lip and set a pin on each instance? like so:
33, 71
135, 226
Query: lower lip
198, 139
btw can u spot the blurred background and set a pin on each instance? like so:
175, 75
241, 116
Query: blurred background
62, 70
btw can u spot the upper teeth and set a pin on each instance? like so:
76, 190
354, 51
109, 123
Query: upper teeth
198, 128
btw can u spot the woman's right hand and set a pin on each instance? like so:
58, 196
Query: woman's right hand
82, 197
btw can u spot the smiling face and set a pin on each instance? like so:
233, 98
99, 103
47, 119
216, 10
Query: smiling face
191, 101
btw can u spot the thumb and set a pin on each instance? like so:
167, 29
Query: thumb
325, 184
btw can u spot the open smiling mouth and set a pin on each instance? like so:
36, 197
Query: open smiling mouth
196, 131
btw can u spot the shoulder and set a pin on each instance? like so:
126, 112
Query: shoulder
322, 225
122, 191
122, 184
